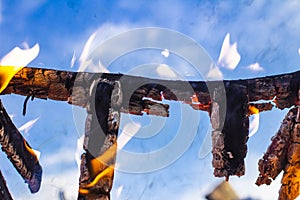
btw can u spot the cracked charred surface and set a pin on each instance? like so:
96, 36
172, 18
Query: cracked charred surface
230, 132
283, 154
19, 152
143, 95
74, 87
102, 125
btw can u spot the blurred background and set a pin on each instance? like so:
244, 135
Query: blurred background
245, 39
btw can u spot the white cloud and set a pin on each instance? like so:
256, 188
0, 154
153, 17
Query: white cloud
214, 73
299, 51
53, 184
255, 67
165, 71
229, 56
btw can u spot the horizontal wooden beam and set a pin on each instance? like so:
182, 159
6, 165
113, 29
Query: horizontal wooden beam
139, 92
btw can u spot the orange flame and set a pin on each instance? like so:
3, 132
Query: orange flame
14, 61
97, 168
83, 191
6, 74
31, 151
107, 172
252, 110
102, 160
195, 99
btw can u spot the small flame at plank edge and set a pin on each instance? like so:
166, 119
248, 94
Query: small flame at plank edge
14, 61
107, 172
36, 154
122, 140
6, 74
254, 120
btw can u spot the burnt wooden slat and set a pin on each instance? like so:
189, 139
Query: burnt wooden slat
74, 87
19, 152
97, 167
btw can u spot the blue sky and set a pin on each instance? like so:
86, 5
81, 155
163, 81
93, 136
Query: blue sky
264, 32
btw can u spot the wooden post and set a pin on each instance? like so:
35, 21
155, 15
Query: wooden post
230, 125
97, 167
283, 154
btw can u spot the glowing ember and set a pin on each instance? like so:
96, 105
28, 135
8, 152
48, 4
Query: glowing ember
31, 151
107, 172
252, 110
6, 74
254, 119
104, 159
195, 99
83, 191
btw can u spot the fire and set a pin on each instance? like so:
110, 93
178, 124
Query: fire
6, 74
254, 119
102, 160
252, 110
98, 168
107, 172
14, 61
195, 99
31, 151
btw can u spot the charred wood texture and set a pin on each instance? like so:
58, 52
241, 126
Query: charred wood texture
229, 108
74, 87
97, 167
230, 132
19, 152
4, 192
283, 154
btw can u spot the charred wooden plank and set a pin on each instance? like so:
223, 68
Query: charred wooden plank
290, 183
74, 87
283, 155
19, 152
275, 159
255, 108
97, 168
230, 132
4, 192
